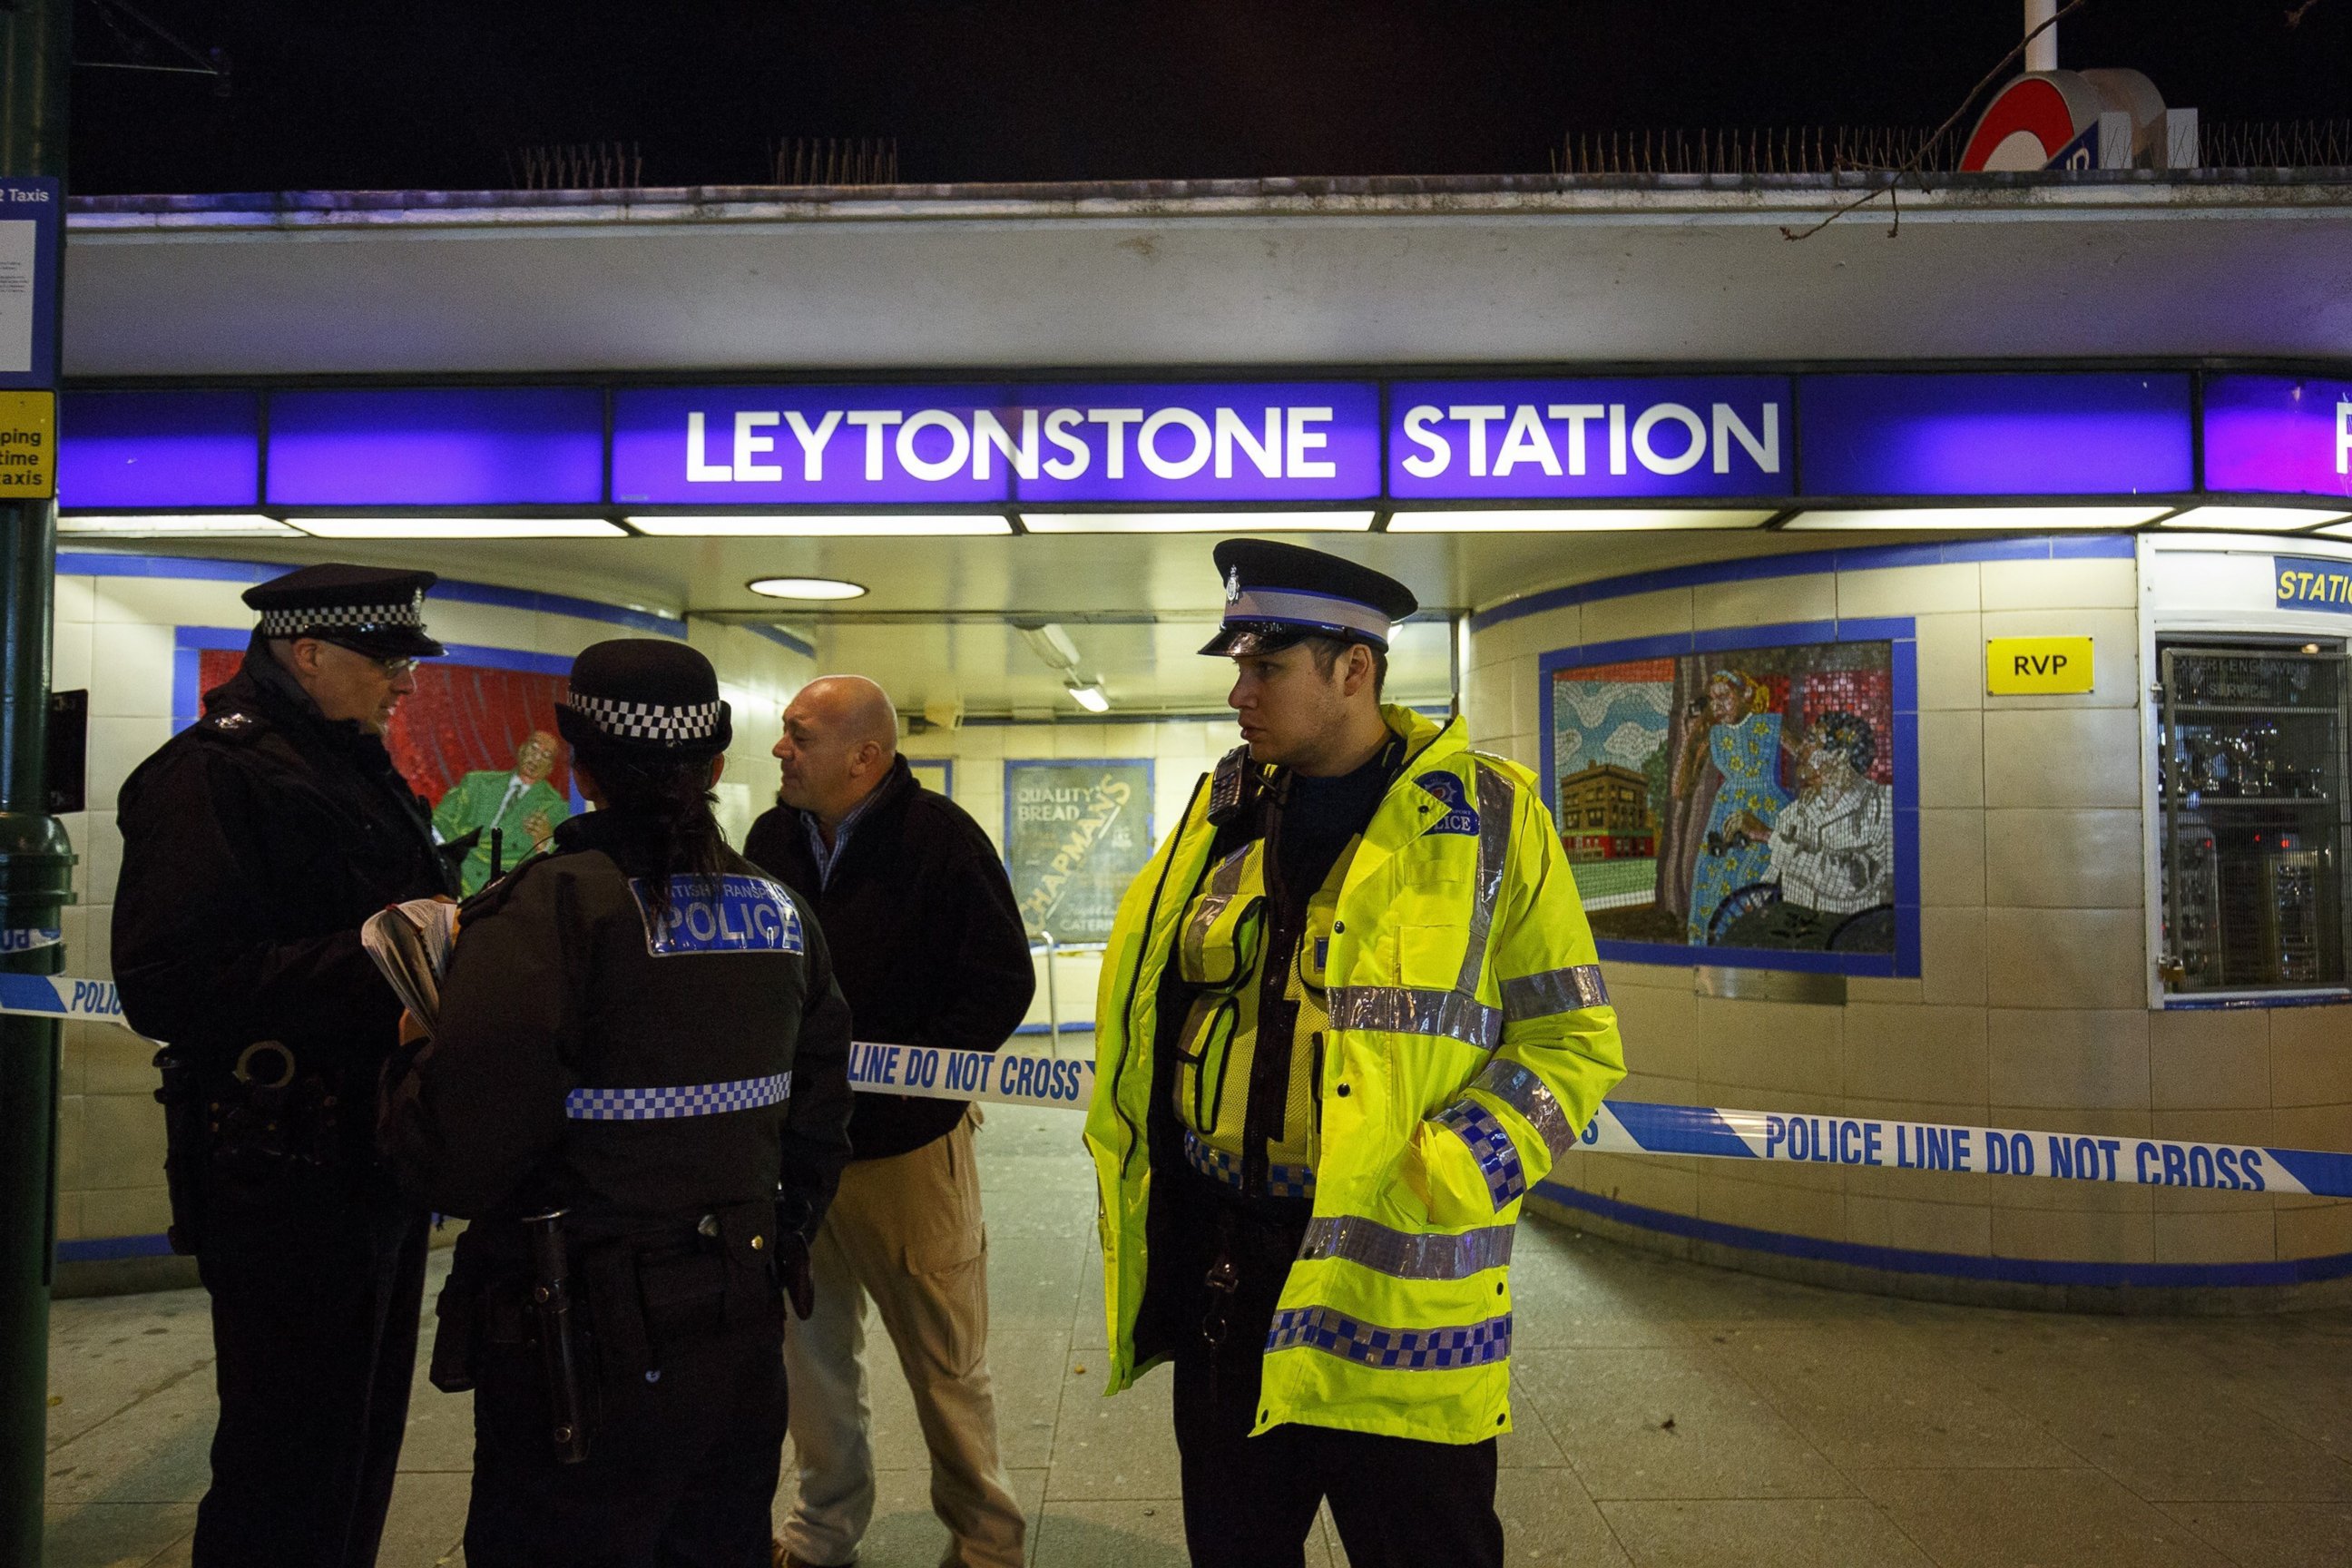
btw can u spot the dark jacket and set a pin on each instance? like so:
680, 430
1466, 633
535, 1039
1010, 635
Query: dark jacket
564, 987
928, 943
254, 843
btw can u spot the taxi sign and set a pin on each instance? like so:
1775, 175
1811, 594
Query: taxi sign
2037, 667
28, 446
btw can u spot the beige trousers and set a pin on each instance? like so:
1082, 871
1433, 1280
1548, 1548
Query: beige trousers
907, 1233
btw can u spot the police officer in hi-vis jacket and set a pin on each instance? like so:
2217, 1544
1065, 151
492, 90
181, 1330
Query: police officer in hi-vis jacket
638, 1090
1349, 1013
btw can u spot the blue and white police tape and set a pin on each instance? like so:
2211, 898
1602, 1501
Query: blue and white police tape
1621, 1127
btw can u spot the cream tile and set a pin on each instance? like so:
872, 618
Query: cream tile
2069, 1057
100, 846
2066, 958
2249, 1236
2074, 1236
1932, 1055
69, 660
1951, 760
1909, 590
1660, 1029
170, 602
1951, 661
1962, 1228
76, 602
117, 746
2309, 1062
1524, 636
2207, 1060
2059, 586
123, 1141
2315, 1232
1788, 1210
126, 1211
69, 1227
2062, 757
116, 1061
1766, 602
1770, 1046
1952, 956
1952, 858
1638, 616
2115, 653
130, 672
70, 1139
1649, 1182
1871, 988
2063, 860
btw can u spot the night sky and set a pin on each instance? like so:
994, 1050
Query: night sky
434, 94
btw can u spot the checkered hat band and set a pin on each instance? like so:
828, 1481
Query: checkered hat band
307, 620
649, 720
682, 1100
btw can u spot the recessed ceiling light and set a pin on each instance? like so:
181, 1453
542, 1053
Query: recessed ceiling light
457, 527
1965, 518
233, 524
1196, 521
806, 587
1580, 520
2255, 518
810, 525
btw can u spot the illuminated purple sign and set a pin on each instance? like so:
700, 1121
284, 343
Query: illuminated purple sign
1281, 441
1605, 439
2286, 434
438, 447
132, 449
927, 446
1969, 434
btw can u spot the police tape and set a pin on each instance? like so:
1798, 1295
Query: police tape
1013, 1076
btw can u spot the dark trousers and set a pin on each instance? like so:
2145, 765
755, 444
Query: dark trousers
680, 1473
1249, 1502
317, 1279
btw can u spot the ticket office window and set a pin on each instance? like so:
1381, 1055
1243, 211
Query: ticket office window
2251, 786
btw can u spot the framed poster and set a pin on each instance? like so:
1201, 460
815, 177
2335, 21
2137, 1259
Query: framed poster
1075, 834
1757, 802
934, 773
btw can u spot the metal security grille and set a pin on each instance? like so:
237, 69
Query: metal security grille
1757, 150
835, 160
576, 167
2276, 144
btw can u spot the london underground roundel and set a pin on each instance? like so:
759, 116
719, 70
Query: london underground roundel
2031, 122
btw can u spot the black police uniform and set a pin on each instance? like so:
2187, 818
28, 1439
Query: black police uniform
675, 1083
1222, 1248
255, 842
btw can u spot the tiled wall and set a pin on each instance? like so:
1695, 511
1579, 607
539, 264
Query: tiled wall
115, 638
2030, 1010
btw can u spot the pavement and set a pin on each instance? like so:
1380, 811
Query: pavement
1667, 1414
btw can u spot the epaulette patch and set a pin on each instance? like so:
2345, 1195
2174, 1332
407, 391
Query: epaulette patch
232, 725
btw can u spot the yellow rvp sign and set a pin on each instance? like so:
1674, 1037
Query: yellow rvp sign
28, 446
2037, 667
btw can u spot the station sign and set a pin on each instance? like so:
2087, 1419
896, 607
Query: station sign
1998, 434
1624, 437
2306, 583
2278, 433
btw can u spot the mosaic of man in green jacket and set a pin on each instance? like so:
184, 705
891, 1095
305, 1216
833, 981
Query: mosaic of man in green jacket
521, 806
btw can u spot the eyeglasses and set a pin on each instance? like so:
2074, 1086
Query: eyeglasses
393, 669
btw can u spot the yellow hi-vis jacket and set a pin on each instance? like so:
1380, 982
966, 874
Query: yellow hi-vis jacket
1470, 1042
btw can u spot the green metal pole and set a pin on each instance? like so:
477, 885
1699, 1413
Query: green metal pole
35, 862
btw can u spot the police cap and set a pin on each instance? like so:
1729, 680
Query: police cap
650, 697
1276, 595
368, 609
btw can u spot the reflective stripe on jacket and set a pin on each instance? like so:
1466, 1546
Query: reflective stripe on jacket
1471, 1040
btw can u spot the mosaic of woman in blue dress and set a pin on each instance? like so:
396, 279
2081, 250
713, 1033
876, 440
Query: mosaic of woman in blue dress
1741, 737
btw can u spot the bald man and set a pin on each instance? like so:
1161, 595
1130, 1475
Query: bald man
927, 946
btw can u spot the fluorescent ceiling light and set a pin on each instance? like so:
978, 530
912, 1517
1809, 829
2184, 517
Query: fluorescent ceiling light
1051, 644
1196, 521
234, 524
2004, 518
1584, 520
806, 587
2255, 518
1090, 698
841, 525
457, 527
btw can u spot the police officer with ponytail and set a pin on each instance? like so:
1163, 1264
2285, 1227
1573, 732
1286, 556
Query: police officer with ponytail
637, 1089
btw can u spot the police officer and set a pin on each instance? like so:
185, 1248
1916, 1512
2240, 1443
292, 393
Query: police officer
254, 843
1349, 1013
637, 1089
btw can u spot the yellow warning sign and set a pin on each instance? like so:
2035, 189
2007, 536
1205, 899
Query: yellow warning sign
2037, 667
28, 446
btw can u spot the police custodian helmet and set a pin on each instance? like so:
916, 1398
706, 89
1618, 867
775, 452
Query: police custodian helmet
649, 697
1276, 595
368, 609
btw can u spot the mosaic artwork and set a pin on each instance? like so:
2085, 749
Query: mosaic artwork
1739, 799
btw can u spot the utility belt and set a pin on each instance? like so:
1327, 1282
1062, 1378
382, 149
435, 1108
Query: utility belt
262, 1112
1242, 1246
599, 1310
